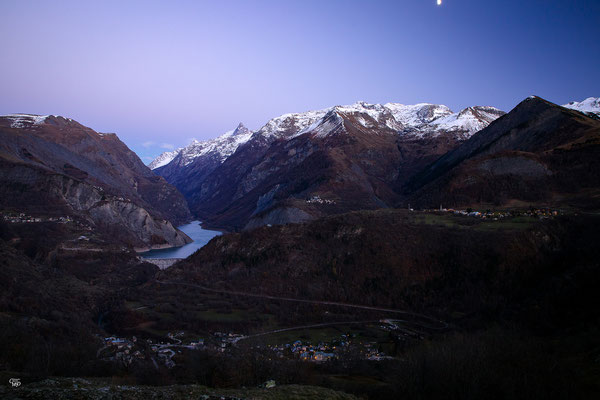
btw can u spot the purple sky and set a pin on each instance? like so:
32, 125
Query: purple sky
160, 73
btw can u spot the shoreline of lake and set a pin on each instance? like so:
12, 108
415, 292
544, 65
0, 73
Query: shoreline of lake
194, 230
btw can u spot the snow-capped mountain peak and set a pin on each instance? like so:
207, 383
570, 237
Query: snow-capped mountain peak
469, 120
290, 124
417, 114
221, 148
394, 116
589, 105
417, 120
164, 158
240, 130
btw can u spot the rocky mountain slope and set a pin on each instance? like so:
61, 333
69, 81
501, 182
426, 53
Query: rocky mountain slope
54, 166
306, 165
539, 153
193, 163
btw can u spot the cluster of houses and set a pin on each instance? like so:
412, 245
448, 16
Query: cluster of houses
121, 350
328, 351
317, 356
166, 351
227, 339
20, 218
496, 215
372, 353
307, 352
319, 200
166, 356
126, 351
24, 218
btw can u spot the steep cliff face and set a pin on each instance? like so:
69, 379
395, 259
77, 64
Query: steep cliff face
64, 146
52, 166
33, 190
152, 232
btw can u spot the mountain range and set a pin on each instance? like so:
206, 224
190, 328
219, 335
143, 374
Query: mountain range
301, 166
304, 166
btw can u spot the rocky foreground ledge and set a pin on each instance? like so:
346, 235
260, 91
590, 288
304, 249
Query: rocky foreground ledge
97, 388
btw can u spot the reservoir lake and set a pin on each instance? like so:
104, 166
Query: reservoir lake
199, 236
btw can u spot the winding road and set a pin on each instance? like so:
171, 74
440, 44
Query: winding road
441, 324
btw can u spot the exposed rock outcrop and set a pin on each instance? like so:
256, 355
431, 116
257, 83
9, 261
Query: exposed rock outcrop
55, 166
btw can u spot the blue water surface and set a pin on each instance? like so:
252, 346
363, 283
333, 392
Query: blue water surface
199, 236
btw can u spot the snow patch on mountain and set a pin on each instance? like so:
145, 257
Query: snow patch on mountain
164, 158
291, 124
328, 125
416, 120
417, 114
24, 120
221, 147
394, 116
467, 122
589, 105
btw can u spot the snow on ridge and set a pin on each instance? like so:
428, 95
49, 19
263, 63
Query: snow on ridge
417, 114
221, 147
291, 123
417, 120
589, 105
393, 115
327, 126
24, 120
164, 158
465, 123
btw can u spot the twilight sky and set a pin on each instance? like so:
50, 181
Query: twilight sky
159, 73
